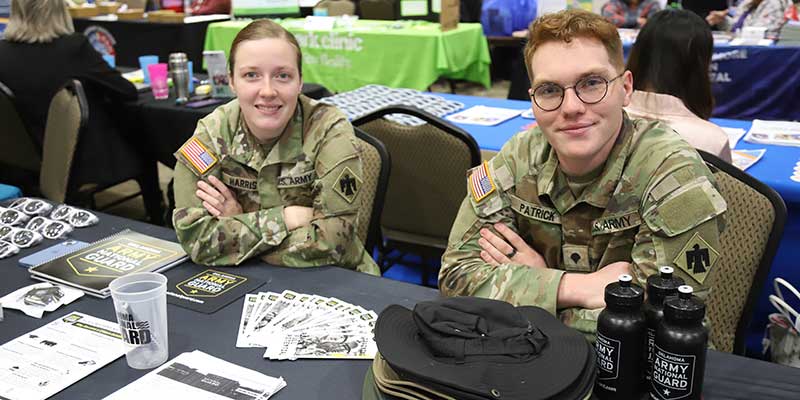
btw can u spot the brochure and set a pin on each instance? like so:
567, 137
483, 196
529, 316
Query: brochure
782, 133
743, 159
482, 115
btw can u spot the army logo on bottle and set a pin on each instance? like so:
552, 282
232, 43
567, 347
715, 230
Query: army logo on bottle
672, 375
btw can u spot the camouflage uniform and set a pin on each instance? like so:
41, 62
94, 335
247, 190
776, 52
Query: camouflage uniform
315, 163
653, 201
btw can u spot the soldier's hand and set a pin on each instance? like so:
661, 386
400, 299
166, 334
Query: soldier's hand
507, 248
588, 290
297, 216
217, 198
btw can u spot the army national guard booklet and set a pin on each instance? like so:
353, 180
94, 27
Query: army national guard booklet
93, 267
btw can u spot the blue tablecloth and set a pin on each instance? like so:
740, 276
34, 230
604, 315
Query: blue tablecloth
774, 169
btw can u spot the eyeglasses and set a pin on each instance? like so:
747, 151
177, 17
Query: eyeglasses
12, 217
7, 249
49, 228
590, 90
24, 238
74, 216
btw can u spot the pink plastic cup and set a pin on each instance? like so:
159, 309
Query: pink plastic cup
158, 80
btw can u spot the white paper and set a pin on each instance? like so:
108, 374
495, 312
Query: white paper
318, 23
734, 134
528, 114
199, 376
550, 6
782, 133
743, 159
42, 362
482, 115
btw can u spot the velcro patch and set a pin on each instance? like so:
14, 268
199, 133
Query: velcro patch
534, 211
576, 257
287, 181
347, 185
239, 182
616, 223
480, 182
696, 258
198, 155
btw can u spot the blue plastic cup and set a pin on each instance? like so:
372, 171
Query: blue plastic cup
191, 79
144, 61
111, 60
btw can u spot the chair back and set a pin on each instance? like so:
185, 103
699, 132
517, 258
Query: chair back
67, 116
754, 225
338, 7
388, 10
376, 166
19, 149
427, 182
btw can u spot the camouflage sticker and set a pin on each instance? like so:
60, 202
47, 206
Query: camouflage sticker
576, 257
238, 182
198, 155
696, 258
347, 185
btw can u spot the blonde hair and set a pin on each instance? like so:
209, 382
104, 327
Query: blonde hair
38, 21
566, 25
263, 29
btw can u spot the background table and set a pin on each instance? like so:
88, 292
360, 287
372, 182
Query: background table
727, 376
402, 54
774, 169
139, 37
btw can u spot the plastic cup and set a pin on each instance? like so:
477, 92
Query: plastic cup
158, 80
191, 78
111, 60
140, 302
144, 61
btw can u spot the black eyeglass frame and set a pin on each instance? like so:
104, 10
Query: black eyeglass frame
577, 93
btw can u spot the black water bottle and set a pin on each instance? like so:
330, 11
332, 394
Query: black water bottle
658, 288
620, 342
680, 349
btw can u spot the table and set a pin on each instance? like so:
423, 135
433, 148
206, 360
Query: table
774, 169
403, 54
727, 376
132, 39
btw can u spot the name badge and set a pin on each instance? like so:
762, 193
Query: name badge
617, 223
238, 182
535, 211
288, 181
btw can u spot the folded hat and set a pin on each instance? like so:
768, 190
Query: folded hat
475, 348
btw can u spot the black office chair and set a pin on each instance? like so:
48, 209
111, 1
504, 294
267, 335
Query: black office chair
82, 157
20, 154
754, 225
426, 185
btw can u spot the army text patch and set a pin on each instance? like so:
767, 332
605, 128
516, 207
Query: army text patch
616, 223
198, 156
480, 182
287, 181
696, 258
239, 182
347, 185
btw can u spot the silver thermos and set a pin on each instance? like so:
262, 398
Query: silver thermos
179, 71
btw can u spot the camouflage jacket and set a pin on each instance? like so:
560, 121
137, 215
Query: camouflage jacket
315, 163
654, 204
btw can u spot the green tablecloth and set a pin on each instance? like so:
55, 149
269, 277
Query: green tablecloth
402, 54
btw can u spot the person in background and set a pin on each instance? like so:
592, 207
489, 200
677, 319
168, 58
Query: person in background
271, 174
670, 66
206, 7
756, 13
630, 13
566, 207
40, 51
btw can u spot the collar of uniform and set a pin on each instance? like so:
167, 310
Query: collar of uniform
290, 144
599, 192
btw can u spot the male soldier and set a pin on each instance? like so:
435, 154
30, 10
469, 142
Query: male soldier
565, 208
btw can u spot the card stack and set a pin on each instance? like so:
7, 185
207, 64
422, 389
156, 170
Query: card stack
294, 325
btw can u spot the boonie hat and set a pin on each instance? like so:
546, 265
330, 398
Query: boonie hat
475, 348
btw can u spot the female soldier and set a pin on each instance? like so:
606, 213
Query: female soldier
272, 173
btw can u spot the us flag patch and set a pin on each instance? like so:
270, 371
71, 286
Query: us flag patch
198, 155
480, 182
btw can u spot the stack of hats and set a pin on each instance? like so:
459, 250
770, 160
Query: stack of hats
477, 349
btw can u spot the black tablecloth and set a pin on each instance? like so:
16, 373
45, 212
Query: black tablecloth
727, 376
164, 126
138, 38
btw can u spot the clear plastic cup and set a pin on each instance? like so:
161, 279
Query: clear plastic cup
140, 302
144, 61
158, 80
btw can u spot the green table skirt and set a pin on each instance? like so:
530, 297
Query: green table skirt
400, 54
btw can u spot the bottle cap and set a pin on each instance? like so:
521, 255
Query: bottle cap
624, 293
685, 306
661, 285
